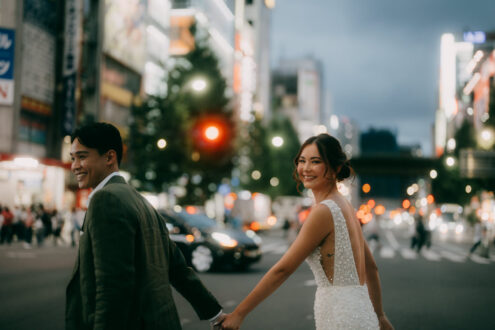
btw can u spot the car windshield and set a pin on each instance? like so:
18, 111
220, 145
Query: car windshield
448, 217
199, 221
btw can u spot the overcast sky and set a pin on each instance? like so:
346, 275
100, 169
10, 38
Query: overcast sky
380, 57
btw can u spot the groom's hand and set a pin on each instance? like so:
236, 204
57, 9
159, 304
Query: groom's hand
217, 322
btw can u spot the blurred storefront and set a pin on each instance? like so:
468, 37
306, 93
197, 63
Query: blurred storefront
25, 181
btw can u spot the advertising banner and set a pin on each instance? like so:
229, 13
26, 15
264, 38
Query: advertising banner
7, 38
72, 51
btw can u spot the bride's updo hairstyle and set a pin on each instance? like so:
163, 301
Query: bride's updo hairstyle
332, 155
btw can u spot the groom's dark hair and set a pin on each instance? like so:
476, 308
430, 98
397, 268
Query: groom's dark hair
100, 136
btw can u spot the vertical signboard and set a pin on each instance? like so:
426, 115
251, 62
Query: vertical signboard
72, 32
7, 37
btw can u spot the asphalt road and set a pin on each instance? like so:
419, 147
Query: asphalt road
438, 289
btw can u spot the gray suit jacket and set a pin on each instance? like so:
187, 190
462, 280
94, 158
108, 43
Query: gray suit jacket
126, 265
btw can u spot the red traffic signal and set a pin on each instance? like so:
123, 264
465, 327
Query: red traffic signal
211, 133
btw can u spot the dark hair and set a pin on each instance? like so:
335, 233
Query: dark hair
331, 153
100, 136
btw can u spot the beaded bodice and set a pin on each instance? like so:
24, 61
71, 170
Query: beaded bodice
345, 273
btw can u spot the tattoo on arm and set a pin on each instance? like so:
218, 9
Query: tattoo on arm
330, 255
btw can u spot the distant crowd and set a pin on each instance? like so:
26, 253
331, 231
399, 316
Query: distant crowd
38, 224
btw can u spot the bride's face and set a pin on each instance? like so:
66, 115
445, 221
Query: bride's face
311, 169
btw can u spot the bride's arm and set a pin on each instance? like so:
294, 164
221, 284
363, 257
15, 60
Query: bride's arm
374, 287
316, 227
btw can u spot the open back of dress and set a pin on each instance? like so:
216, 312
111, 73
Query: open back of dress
340, 302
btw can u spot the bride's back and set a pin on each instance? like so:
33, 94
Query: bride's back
328, 248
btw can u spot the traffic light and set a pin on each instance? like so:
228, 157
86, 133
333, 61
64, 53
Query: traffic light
211, 134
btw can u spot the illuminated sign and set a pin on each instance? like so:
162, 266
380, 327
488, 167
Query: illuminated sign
7, 37
476, 37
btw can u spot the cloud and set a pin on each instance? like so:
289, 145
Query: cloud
380, 57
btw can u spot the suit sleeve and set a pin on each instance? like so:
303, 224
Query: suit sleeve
112, 233
185, 280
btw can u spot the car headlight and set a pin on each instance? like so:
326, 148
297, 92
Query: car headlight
459, 229
224, 239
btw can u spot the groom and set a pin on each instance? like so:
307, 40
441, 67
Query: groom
126, 263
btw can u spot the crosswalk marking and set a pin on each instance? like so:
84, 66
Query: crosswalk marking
408, 254
479, 260
387, 252
391, 239
310, 283
452, 256
392, 249
430, 255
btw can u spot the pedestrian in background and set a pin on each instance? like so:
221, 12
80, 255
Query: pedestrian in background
38, 227
127, 262
28, 225
7, 226
57, 222
76, 220
419, 237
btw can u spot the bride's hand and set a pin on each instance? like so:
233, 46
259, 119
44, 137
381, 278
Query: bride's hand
385, 323
232, 322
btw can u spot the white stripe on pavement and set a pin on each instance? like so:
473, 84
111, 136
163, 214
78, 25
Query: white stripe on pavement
408, 253
452, 256
430, 255
391, 239
310, 283
275, 248
479, 260
387, 252
280, 250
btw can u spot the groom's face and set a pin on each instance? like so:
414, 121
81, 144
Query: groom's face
89, 167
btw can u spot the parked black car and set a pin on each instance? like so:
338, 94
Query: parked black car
206, 245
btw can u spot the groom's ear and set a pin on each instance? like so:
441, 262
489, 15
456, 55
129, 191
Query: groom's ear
111, 157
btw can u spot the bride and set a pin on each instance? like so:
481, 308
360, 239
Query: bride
348, 294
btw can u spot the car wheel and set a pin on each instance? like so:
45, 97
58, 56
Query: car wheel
202, 258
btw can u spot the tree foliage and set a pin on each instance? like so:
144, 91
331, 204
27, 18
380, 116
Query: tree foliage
174, 117
259, 154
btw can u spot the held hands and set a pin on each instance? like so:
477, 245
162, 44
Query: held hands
216, 323
231, 322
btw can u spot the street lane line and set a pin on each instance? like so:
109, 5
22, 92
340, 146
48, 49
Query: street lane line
372, 245
229, 303
391, 239
479, 260
310, 283
280, 250
274, 247
452, 256
430, 255
20, 255
408, 254
387, 252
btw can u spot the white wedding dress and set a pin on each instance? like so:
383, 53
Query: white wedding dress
342, 303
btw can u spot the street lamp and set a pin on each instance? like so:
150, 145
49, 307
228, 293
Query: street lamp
277, 141
486, 138
198, 84
451, 144
161, 143
450, 161
433, 174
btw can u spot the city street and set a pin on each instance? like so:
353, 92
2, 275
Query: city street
438, 289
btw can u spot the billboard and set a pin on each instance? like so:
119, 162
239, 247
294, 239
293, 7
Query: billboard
125, 32
7, 46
